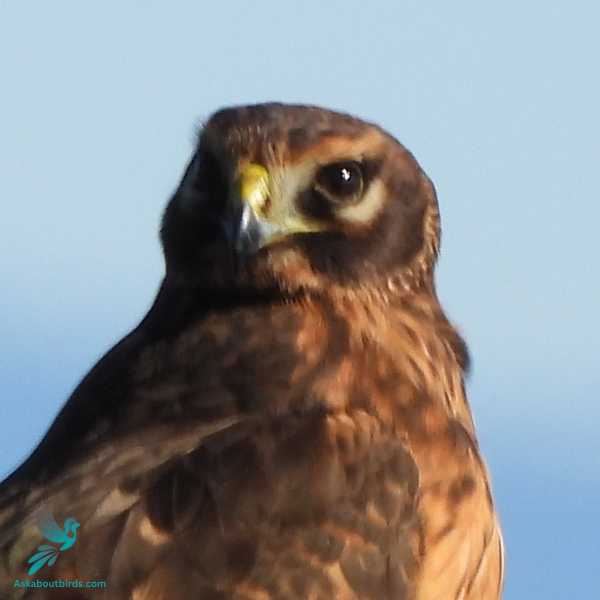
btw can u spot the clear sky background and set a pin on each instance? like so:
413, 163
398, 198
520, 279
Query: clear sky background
99, 104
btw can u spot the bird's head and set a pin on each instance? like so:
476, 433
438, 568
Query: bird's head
298, 198
71, 525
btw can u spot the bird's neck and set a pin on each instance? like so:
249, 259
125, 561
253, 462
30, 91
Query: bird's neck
406, 336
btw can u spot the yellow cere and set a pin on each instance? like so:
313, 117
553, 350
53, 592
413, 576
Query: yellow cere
254, 187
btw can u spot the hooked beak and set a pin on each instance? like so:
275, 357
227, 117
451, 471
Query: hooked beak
260, 215
251, 229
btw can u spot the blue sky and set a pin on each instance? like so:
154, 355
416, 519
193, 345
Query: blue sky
99, 107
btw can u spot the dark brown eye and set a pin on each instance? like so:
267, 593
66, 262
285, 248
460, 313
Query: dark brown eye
341, 181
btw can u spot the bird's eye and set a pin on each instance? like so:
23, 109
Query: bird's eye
341, 181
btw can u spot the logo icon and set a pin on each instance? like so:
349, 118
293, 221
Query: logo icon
47, 554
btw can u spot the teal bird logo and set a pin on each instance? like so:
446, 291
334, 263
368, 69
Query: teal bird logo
64, 537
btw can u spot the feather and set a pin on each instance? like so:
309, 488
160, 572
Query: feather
289, 420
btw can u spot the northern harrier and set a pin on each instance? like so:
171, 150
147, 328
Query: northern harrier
289, 420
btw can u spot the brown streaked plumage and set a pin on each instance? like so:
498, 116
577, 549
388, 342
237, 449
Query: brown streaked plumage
289, 420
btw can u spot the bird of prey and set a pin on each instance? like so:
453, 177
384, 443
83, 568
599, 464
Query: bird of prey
289, 420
